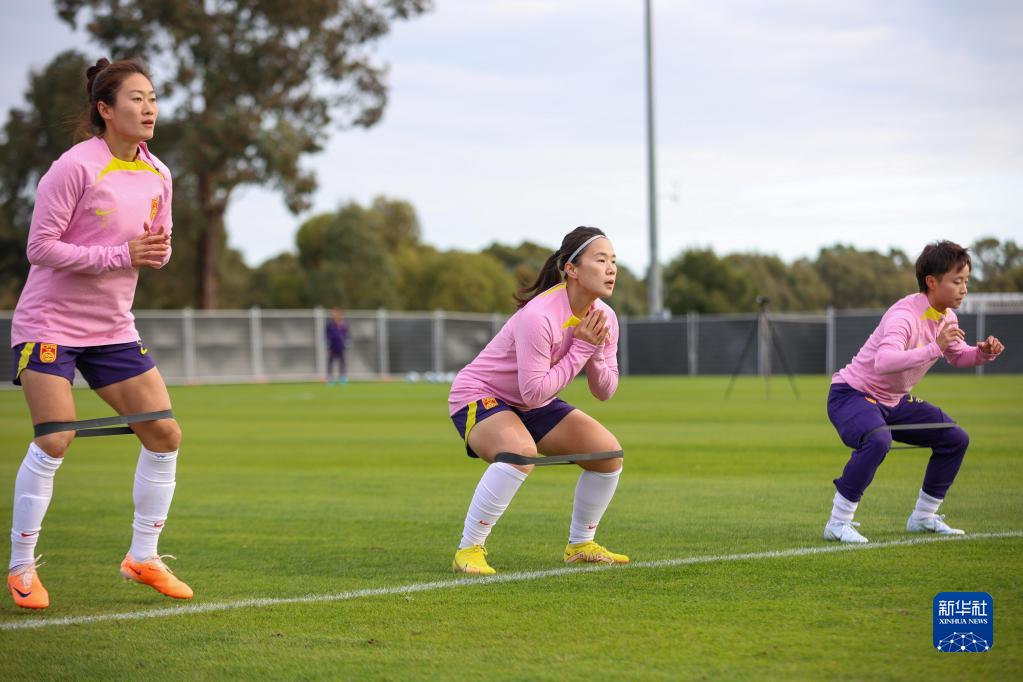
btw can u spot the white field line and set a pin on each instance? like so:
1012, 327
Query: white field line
473, 581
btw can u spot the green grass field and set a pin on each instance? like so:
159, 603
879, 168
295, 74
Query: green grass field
294, 490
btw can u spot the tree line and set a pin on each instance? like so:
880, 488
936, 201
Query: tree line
247, 112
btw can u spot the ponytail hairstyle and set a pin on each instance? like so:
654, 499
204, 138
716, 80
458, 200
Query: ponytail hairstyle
103, 81
553, 269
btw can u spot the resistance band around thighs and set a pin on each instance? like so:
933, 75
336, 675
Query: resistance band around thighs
907, 427
512, 458
103, 426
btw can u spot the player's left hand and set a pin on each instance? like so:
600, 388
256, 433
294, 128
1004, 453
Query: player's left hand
991, 346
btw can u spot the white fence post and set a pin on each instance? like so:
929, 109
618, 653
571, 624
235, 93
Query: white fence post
320, 333
829, 340
188, 343
383, 355
693, 341
438, 341
256, 343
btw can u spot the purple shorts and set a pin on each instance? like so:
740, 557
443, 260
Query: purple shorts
100, 365
538, 422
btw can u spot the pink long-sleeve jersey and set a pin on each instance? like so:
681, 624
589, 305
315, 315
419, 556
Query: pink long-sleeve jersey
903, 348
81, 283
536, 355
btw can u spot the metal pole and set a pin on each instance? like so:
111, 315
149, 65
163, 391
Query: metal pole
654, 296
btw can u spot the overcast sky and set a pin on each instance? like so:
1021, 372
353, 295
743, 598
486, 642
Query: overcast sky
782, 126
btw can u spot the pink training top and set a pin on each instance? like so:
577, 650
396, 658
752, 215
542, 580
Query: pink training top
536, 354
81, 284
903, 348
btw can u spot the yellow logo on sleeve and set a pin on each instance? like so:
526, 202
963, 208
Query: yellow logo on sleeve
154, 206
47, 352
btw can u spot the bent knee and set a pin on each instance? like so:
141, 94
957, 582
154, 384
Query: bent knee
162, 435
55, 444
879, 441
958, 439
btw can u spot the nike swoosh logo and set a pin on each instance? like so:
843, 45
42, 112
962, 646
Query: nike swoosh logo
158, 525
102, 213
24, 595
135, 571
143, 350
28, 535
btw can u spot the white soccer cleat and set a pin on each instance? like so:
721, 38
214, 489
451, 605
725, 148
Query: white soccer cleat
934, 523
843, 531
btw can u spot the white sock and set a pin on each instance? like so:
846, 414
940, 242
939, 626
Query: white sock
843, 510
33, 489
153, 491
926, 506
593, 493
494, 493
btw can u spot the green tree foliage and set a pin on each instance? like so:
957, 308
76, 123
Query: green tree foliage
258, 84
281, 282
865, 279
699, 281
997, 266
454, 280
346, 260
787, 287
33, 138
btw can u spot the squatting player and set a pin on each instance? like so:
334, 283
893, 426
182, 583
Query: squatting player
91, 231
506, 399
872, 391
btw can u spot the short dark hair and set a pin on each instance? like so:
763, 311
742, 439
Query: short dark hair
939, 258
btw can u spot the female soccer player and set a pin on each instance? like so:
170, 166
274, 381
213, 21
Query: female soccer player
872, 392
92, 229
506, 399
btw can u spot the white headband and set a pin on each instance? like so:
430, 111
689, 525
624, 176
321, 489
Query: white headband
580, 250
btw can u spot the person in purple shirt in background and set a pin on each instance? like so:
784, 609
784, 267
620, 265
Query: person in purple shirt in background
871, 393
337, 339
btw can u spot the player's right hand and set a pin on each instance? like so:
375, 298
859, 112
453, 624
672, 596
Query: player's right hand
149, 249
593, 328
948, 336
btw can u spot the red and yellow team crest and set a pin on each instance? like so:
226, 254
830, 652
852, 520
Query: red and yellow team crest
489, 403
154, 206
47, 352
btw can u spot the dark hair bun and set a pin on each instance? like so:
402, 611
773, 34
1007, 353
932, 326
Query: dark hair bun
93, 71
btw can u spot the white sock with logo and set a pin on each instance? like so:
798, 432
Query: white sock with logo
926, 506
33, 489
494, 493
153, 491
593, 493
843, 510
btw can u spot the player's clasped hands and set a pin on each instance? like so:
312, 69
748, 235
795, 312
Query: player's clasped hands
593, 328
991, 346
948, 336
150, 249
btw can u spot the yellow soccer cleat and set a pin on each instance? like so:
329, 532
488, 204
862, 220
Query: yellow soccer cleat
472, 560
592, 553
26, 588
154, 572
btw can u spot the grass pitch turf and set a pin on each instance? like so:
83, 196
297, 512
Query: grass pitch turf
292, 490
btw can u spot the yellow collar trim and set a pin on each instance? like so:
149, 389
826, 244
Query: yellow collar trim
933, 315
117, 164
556, 287
571, 322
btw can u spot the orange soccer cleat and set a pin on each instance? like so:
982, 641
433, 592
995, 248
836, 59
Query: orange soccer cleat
154, 572
26, 588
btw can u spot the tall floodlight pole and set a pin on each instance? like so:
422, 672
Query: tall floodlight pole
654, 295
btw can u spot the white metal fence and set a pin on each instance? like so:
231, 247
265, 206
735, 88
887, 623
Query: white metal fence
192, 346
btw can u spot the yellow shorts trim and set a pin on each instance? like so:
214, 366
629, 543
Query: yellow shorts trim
26, 355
